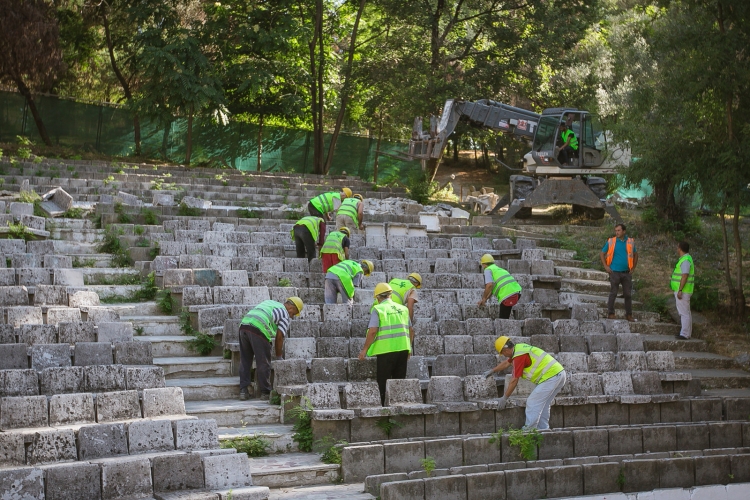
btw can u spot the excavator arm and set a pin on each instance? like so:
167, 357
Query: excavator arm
485, 113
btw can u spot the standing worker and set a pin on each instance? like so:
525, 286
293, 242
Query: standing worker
323, 204
619, 258
342, 278
308, 234
262, 324
335, 249
389, 337
569, 149
683, 283
405, 291
350, 213
501, 284
537, 367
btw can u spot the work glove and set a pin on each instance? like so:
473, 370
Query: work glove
488, 374
502, 402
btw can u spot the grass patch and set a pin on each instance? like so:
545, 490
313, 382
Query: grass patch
112, 245
186, 211
244, 213
73, 213
19, 232
253, 446
78, 263
149, 217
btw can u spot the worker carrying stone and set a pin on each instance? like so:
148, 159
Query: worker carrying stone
619, 257
501, 284
537, 367
342, 278
308, 234
390, 337
405, 291
683, 284
323, 204
335, 249
266, 323
351, 213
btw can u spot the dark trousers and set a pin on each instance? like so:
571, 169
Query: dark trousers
304, 242
254, 344
391, 365
315, 212
505, 311
566, 154
615, 279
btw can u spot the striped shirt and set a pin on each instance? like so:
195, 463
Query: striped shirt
281, 318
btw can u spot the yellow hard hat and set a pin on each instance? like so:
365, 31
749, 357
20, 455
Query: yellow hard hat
416, 277
296, 302
367, 267
500, 343
347, 192
487, 259
359, 197
382, 288
345, 230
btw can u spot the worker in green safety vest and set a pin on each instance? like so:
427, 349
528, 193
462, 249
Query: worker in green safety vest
501, 284
405, 291
351, 213
569, 148
323, 204
335, 249
539, 368
308, 234
683, 285
342, 278
264, 324
390, 337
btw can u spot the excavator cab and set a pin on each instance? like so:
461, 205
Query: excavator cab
548, 140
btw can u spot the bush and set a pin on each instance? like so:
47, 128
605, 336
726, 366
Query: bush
186, 211
254, 446
705, 295
112, 245
19, 232
149, 217
420, 188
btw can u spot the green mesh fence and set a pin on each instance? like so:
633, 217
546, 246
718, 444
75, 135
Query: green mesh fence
109, 130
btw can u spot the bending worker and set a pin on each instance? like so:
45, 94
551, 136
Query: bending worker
323, 204
537, 367
350, 213
266, 323
335, 249
308, 234
389, 337
501, 284
405, 291
342, 278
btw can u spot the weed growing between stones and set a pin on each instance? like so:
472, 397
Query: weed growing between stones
254, 446
165, 302
19, 232
621, 479
330, 450
247, 214
201, 343
139, 330
429, 465
186, 211
302, 428
29, 197
149, 217
122, 216
387, 425
275, 398
112, 245
285, 282
526, 440
227, 354
77, 263
148, 289
73, 213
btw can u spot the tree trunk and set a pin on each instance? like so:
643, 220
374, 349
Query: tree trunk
377, 150
739, 305
26, 93
666, 207
260, 140
725, 249
123, 83
455, 150
189, 142
344, 90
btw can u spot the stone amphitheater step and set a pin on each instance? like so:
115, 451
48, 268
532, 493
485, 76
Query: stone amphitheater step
91, 260
669, 329
74, 248
721, 379
207, 388
279, 436
135, 309
155, 325
322, 492
568, 263
77, 235
194, 367
669, 343
232, 412
98, 275
585, 286
292, 469
168, 346
703, 361
578, 273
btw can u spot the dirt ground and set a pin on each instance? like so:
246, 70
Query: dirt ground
468, 174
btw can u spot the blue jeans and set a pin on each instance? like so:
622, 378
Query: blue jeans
539, 401
331, 291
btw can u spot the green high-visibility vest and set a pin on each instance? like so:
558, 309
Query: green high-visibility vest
261, 317
505, 284
393, 329
310, 222
349, 208
573, 141
324, 202
345, 271
677, 276
400, 289
543, 366
334, 244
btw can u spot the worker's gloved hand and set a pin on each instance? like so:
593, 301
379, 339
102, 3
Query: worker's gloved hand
488, 374
502, 402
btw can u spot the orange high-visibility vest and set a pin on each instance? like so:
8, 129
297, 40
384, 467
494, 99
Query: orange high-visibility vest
611, 250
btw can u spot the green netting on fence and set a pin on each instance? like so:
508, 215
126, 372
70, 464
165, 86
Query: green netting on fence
109, 130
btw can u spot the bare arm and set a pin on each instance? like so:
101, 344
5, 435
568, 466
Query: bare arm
603, 258
371, 333
279, 344
487, 293
683, 280
346, 253
411, 340
410, 305
511, 387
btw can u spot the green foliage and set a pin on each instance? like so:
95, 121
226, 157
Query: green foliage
201, 343
149, 217
656, 303
122, 216
148, 289
429, 465
684, 224
108, 180
247, 214
77, 263
19, 232
705, 295
138, 230
112, 245
274, 398
284, 282
24, 141
38, 159
292, 216
621, 479
254, 446
139, 330
73, 213
420, 188
302, 428
38, 211
387, 424
24, 153
526, 441
165, 302
186, 211
330, 450
227, 354
29, 197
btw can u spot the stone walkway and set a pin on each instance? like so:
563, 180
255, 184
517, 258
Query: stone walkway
322, 492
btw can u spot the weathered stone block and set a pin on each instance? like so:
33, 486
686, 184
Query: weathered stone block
126, 478
413, 489
23, 411
103, 378
676, 473
115, 332
602, 362
625, 441
22, 483
36, 334
120, 405
600, 478
227, 471
70, 409
73, 481
449, 364
62, 380
196, 434
144, 377
13, 357
163, 401
629, 342
403, 457
452, 486
617, 383
328, 370
525, 484
146, 436
92, 353
102, 440
50, 295
640, 475
52, 446
177, 472
49, 355
77, 331
358, 462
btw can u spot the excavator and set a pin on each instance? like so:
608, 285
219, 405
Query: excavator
542, 179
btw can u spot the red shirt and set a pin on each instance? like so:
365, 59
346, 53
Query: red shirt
519, 363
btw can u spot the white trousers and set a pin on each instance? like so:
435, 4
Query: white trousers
686, 318
539, 401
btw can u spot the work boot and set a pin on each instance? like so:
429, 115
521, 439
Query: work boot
629, 318
611, 316
244, 394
